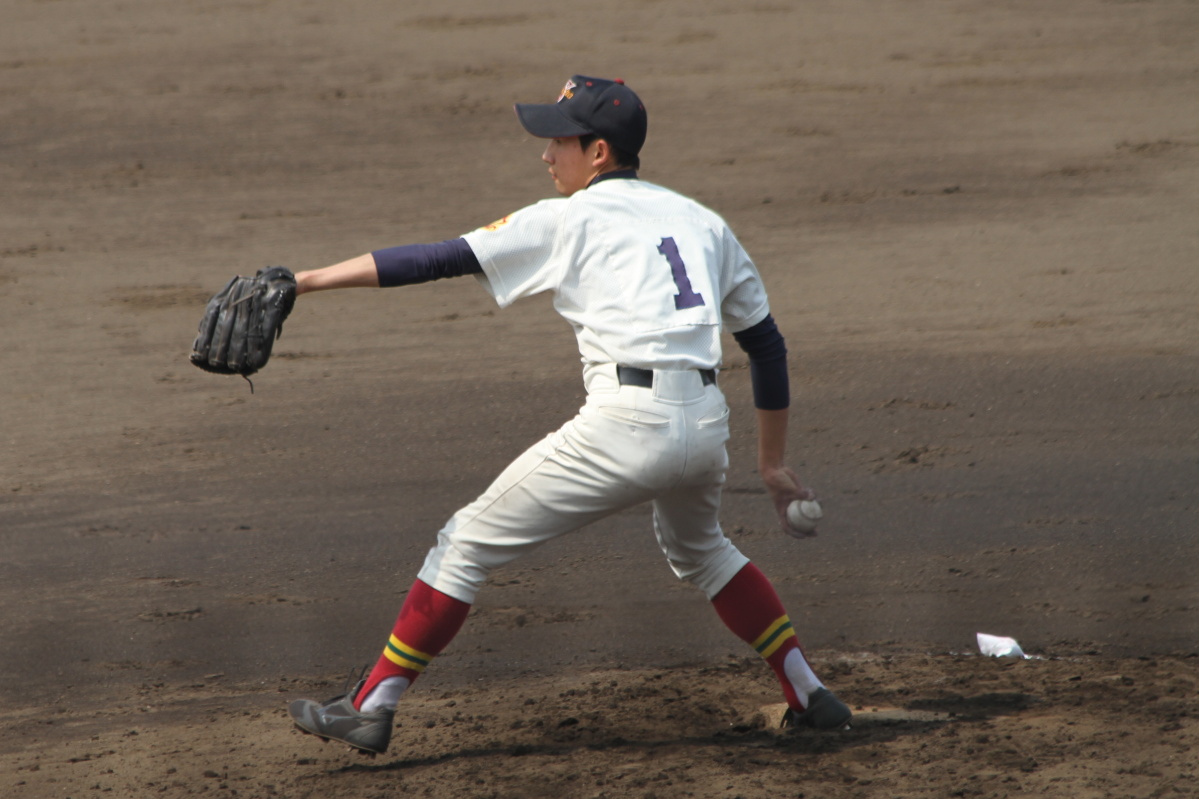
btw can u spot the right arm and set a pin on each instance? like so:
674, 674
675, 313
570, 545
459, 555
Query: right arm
767, 352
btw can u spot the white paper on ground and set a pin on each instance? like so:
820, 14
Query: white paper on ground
999, 646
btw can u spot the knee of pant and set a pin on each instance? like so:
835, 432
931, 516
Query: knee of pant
453, 571
714, 572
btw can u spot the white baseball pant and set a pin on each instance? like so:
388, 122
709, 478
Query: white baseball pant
627, 445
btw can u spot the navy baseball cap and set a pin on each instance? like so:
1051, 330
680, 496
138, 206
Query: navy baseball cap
605, 108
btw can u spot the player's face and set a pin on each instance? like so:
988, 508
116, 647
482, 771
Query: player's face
571, 167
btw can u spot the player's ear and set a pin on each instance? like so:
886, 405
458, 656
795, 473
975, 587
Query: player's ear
603, 153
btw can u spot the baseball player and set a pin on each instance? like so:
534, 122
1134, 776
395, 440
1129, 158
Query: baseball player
647, 279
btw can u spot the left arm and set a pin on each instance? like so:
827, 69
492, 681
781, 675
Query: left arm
357, 272
394, 266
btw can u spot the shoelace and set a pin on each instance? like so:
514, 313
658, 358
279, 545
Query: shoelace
351, 684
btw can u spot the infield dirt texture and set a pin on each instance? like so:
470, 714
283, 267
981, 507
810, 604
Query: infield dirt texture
979, 224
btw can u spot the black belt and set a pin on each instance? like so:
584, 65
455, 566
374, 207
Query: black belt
632, 376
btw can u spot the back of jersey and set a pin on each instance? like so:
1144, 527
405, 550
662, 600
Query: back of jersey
650, 275
644, 275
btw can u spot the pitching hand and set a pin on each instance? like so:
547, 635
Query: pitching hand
784, 487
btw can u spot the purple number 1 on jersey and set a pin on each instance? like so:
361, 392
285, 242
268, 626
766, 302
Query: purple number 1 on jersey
686, 298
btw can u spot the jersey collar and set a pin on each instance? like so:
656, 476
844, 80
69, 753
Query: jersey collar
627, 174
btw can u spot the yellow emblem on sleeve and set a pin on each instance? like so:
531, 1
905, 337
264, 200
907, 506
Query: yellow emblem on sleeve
497, 224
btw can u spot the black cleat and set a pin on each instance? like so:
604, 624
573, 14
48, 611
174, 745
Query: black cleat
824, 712
337, 720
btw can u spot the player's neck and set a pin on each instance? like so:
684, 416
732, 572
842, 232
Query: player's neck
615, 172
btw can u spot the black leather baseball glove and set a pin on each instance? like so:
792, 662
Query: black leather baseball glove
243, 320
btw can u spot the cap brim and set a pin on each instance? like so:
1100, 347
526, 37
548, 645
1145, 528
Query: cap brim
547, 121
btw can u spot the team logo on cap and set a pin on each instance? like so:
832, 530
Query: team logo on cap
568, 91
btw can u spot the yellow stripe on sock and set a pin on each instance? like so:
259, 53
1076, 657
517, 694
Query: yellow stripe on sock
405, 656
777, 642
773, 637
769, 631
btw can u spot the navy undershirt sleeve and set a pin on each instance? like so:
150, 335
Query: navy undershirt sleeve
767, 352
420, 263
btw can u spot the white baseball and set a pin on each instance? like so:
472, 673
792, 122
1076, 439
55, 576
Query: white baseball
802, 516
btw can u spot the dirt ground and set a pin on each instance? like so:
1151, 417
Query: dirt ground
977, 223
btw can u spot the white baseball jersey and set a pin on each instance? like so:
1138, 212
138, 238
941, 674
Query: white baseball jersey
645, 276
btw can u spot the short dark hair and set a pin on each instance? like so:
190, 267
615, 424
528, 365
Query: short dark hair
622, 159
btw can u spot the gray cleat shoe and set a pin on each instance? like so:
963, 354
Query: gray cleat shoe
337, 720
825, 712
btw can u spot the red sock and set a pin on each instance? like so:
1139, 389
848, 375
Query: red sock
428, 621
749, 606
